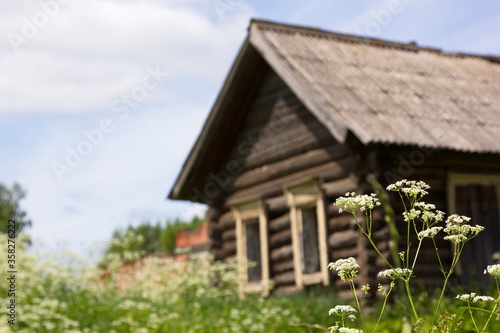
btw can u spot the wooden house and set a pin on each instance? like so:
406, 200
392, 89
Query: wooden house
306, 115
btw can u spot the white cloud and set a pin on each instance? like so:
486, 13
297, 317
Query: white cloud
92, 50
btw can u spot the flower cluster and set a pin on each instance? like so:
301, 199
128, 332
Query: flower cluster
473, 298
346, 268
351, 202
493, 270
340, 329
396, 273
459, 231
429, 233
343, 311
411, 188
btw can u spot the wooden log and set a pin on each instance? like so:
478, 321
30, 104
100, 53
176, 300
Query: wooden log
341, 223
281, 267
338, 188
214, 230
277, 204
343, 253
343, 239
280, 223
227, 220
215, 243
229, 235
284, 278
288, 166
229, 248
280, 238
275, 187
282, 253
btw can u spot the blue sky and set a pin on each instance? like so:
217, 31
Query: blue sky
128, 84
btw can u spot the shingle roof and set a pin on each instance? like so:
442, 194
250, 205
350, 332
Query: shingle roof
387, 92
382, 92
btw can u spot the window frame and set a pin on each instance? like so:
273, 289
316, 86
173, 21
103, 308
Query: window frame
304, 195
458, 178
245, 212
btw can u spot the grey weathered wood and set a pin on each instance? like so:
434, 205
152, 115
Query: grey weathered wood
279, 223
280, 238
282, 253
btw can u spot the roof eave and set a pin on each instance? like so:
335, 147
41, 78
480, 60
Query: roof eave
193, 158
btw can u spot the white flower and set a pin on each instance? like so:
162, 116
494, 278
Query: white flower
429, 233
365, 288
351, 203
346, 268
473, 298
493, 270
459, 231
396, 273
339, 329
411, 214
342, 310
411, 188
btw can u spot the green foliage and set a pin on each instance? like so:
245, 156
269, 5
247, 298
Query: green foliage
137, 241
10, 208
423, 221
158, 295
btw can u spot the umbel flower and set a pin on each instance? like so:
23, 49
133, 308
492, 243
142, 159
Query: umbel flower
346, 268
411, 188
351, 202
473, 298
458, 230
493, 270
396, 273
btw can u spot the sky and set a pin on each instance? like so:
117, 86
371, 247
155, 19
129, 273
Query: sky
102, 100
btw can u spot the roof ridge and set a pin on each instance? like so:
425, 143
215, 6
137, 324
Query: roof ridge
352, 38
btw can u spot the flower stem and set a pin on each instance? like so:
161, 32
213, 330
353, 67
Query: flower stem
410, 299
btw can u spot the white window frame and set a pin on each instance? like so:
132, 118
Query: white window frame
243, 212
303, 195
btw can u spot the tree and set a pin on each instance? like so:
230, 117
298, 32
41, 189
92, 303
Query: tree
10, 208
148, 238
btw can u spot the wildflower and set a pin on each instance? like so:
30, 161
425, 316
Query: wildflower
346, 268
411, 188
473, 298
402, 255
396, 273
342, 311
411, 214
339, 329
459, 231
430, 218
351, 203
493, 270
366, 289
429, 233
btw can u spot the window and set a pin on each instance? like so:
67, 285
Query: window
477, 196
252, 247
308, 223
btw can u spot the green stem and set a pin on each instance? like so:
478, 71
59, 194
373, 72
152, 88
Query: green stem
383, 307
416, 255
410, 298
353, 290
372, 243
495, 307
472, 317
